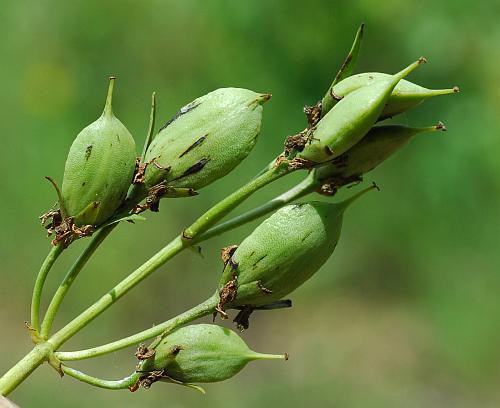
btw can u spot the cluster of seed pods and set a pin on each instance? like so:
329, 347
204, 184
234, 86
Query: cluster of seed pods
204, 141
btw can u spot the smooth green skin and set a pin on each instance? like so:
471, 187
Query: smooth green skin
209, 353
229, 118
350, 119
377, 146
95, 184
284, 251
405, 95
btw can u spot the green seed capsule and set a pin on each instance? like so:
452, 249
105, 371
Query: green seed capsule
282, 253
202, 353
206, 139
350, 119
99, 169
405, 95
378, 145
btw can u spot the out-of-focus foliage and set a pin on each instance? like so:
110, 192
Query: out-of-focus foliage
407, 311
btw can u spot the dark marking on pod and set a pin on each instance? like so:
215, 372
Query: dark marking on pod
328, 151
195, 144
303, 239
195, 168
185, 109
258, 260
88, 152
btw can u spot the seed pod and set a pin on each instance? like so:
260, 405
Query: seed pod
202, 353
282, 253
350, 119
405, 95
206, 139
378, 145
99, 169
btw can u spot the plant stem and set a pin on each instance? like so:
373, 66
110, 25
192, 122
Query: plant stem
203, 309
98, 382
220, 210
54, 253
71, 276
117, 292
17, 374
308, 185
173, 248
305, 187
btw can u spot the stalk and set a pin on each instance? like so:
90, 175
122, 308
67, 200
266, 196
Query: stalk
17, 374
173, 248
124, 383
70, 277
306, 186
203, 309
202, 224
54, 253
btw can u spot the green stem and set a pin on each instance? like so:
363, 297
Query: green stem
305, 187
220, 210
70, 277
17, 374
201, 310
98, 382
308, 185
54, 253
117, 292
173, 248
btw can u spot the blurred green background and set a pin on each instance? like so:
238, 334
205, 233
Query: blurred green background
406, 314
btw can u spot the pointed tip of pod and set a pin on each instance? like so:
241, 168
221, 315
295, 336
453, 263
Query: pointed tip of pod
262, 356
347, 202
446, 91
108, 107
260, 100
263, 98
440, 126
409, 69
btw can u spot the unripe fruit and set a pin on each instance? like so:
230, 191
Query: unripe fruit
99, 169
206, 139
350, 119
405, 95
202, 353
379, 143
282, 253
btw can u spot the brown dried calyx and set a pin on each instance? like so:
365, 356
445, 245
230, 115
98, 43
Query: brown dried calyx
157, 192
313, 114
64, 229
143, 352
227, 294
140, 169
